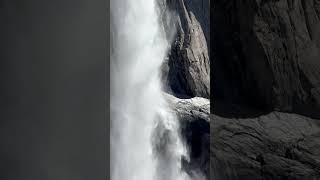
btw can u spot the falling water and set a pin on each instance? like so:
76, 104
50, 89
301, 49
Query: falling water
145, 143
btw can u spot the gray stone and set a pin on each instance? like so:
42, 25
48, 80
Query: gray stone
267, 54
275, 146
193, 115
187, 69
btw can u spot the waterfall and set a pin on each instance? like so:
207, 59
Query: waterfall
145, 140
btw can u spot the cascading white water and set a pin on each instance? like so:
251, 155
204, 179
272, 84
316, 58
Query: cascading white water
145, 143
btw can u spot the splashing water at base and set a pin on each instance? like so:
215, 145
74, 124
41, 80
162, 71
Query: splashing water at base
145, 142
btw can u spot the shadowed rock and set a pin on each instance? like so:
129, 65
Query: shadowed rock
276, 146
266, 54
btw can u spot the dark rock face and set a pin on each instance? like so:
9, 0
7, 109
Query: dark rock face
266, 58
276, 146
187, 70
266, 54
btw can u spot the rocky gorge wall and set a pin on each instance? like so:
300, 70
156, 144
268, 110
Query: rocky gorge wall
186, 75
267, 54
264, 57
186, 72
266, 64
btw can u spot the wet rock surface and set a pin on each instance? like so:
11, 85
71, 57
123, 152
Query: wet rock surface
195, 129
186, 76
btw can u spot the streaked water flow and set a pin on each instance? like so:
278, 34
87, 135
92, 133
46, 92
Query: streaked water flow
145, 141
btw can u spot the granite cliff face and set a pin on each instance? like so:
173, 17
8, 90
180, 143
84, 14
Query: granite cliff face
187, 70
267, 54
275, 146
266, 65
186, 76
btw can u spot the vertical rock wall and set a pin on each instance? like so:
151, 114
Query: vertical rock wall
267, 54
187, 69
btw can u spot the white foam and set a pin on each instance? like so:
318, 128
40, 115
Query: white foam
145, 141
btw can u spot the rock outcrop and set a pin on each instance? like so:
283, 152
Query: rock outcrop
195, 129
265, 59
186, 72
266, 71
276, 146
186, 75
266, 54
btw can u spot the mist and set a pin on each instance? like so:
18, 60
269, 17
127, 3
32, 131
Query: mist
145, 139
